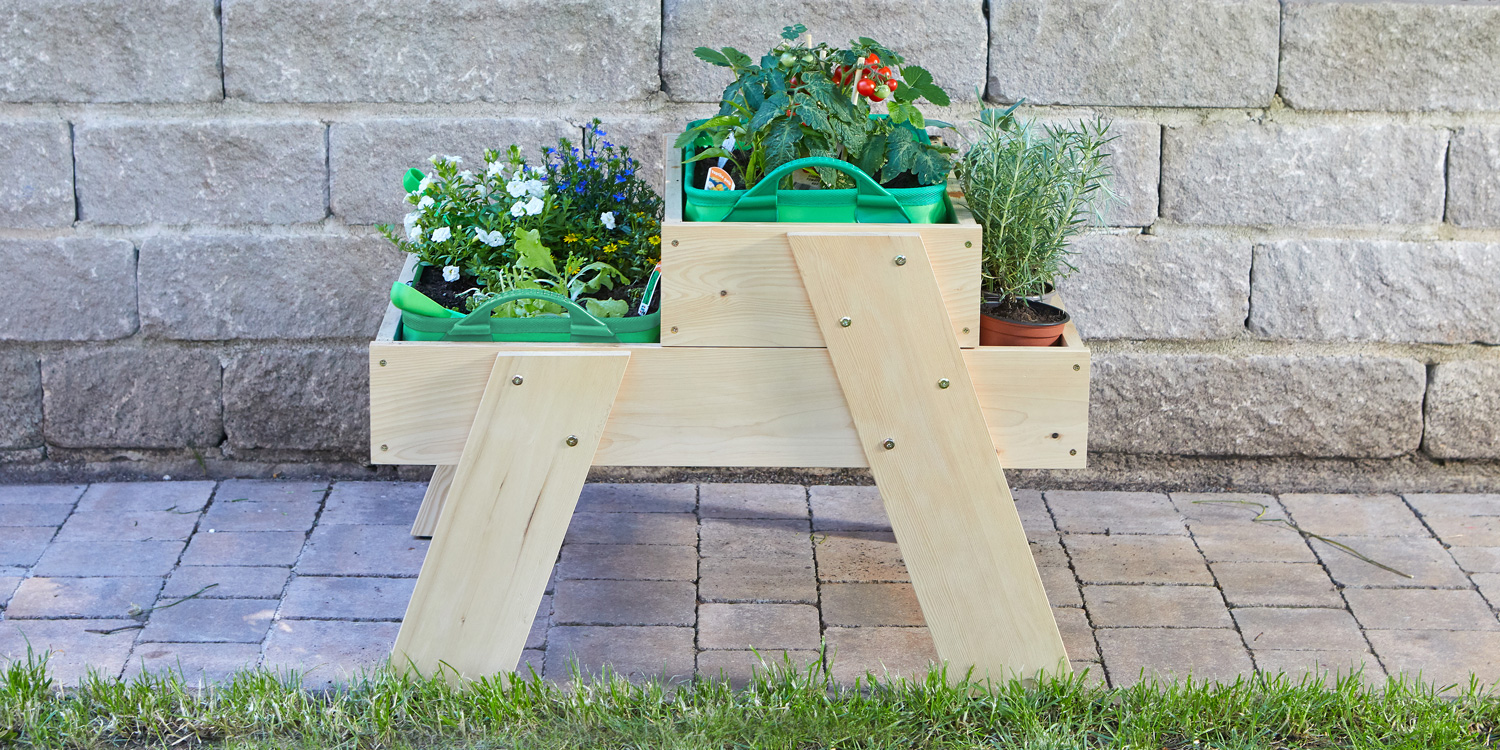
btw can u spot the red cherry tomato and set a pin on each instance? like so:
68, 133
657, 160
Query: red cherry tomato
892, 83
866, 87
872, 59
877, 98
884, 72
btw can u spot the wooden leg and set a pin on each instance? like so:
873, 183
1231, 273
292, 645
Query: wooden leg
513, 494
918, 419
432, 502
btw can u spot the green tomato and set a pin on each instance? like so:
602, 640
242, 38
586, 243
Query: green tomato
788, 59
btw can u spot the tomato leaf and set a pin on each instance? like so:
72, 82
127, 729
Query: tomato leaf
781, 142
737, 58
770, 109
874, 155
712, 56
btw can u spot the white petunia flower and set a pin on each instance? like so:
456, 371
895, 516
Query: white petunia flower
450, 274
536, 188
492, 238
424, 184
441, 234
534, 206
496, 169
433, 159
607, 219
426, 202
454, 159
516, 188
483, 190
466, 176
413, 232
518, 209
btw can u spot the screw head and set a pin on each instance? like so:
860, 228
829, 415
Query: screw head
889, 444
1073, 452
385, 447
900, 260
674, 243
1077, 367
1055, 436
845, 322
572, 440
382, 363
723, 292
966, 330
674, 329
943, 383
517, 380
968, 243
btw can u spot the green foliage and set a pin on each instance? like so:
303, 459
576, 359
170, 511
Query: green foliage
518, 226
794, 104
1032, 190
782, 707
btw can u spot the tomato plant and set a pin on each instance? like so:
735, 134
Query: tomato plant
804, 100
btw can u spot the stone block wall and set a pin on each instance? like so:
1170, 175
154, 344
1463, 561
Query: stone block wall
1298, 285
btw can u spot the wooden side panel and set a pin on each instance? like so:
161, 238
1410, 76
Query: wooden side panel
512, 498
928, 448
737, 285
682, 406
432, 502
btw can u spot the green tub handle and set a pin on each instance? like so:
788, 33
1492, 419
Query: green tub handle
873, 203
582, 326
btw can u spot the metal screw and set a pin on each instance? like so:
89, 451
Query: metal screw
382, 363
845, 322
966, 244
517, 380
900, 260
1073, 452
674, 243
572, 440
889, 444
723, 293
1055, 436
1076, 368
966, 330
943, 383
674, 329
385, 447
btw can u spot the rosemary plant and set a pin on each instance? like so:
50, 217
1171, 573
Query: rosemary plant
1032, 189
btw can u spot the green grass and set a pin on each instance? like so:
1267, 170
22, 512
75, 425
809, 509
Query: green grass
789, 709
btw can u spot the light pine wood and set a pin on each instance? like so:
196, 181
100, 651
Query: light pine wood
391, 321
736, 285
432, 502
672, 179
940, 479
508, 509
682, 406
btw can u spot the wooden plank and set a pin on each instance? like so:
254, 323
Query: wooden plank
392, 318
512, 497
671, 178
682, 406
921, 427
736, 284
432, 502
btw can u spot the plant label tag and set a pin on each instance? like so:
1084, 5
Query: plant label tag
650, 293
718, 179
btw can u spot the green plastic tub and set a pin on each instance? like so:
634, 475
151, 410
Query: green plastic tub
578, 325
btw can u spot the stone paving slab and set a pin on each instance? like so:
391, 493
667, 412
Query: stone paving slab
657, 581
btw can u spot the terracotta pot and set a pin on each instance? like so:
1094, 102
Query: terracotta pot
995, 331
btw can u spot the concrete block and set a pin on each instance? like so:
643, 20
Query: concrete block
1272, 174
452, 51
38, 156
766, 627
1463, 410
1149, 287
300, 400
305, 287
1474, 177
1209, 404
20, 400
1183, 53
1377, 290
201, 172
110, 51
1393, 56
155, 397
67, 289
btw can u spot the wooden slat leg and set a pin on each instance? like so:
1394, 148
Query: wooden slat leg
930, 452
513, 494
432, 502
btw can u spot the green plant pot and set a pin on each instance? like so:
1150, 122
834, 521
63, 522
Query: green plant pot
577, 326
918, 205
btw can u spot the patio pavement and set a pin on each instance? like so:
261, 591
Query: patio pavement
666, 579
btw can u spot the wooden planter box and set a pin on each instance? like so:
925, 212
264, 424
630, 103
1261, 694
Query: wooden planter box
795, 345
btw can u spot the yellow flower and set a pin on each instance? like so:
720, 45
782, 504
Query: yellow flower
571, 238
611, 248
655, 239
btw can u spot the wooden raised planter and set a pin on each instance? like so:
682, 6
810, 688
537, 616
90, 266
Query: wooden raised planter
794, 345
